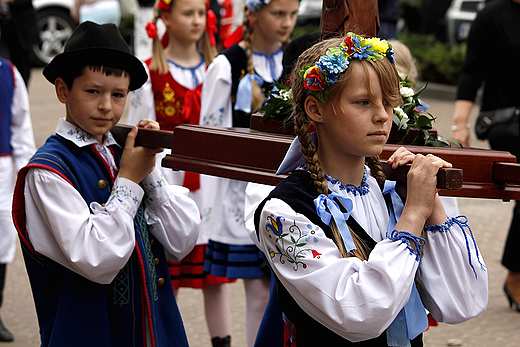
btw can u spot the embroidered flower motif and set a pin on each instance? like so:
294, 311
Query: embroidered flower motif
122, 193
81, 135
275, 225
290, 246
149, 189
312, 233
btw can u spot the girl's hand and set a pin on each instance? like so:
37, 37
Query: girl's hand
400, 157
422, 201
149, 124
137, 162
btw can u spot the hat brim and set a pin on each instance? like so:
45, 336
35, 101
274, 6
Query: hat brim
63, 63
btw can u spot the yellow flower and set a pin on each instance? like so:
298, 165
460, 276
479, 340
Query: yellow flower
167, 2
377, 44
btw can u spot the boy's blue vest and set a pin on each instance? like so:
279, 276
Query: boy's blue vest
74, 311
6, 101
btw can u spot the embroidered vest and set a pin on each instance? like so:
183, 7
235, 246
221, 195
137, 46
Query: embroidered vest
299, 192
238, 59
174, 103
74, 311
6, 101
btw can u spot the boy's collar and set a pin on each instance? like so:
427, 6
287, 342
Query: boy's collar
79, 136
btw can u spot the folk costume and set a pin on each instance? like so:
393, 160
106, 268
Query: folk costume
171, 102
349, 300
225, 103
107, 288
95, 244
380, 301
16, 146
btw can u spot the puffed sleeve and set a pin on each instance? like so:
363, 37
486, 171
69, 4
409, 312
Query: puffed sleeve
142, 104
356, 299
216, 94
22, 137
172, 217
454, 280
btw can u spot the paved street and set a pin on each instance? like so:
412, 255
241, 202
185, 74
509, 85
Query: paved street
489, 220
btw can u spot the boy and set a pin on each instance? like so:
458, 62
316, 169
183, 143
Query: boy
93, 219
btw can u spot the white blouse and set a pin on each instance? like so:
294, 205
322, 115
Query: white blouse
98, 244
22, 149
142, 105
216, 92
359, 299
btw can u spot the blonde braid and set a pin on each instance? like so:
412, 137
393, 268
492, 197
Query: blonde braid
376, 170
158, 62
257, 100
309, 149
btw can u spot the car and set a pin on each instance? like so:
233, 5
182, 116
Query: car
459, 17
309, 11
56, 25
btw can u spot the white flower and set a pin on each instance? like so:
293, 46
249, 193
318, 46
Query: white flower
403, 118
286, 94
406, 92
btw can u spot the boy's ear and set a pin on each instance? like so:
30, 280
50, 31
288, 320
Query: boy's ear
314, 108
62, 91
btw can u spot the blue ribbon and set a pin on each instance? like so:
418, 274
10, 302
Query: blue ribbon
327, 208
245, 92
412, 319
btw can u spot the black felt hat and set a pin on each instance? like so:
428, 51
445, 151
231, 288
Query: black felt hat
97, 45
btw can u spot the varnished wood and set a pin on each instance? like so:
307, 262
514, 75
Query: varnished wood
251, 155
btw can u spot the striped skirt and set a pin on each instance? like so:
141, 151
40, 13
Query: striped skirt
234, 261
189, 272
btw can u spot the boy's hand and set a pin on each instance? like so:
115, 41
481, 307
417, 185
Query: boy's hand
149, 124
138, 162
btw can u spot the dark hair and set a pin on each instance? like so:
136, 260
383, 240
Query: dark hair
70, 75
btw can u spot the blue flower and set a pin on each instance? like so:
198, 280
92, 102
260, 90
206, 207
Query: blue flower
336, 64
275, 226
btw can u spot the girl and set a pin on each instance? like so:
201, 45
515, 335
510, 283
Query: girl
172, 97
232, 91
349, 258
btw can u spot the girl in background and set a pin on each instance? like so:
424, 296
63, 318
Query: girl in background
171, 96
233, 89
350, 258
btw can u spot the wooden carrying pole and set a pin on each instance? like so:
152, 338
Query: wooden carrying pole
254, 156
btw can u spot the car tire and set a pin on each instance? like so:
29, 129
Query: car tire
55, 26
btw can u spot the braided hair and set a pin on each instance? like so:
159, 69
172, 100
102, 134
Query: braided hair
390, 85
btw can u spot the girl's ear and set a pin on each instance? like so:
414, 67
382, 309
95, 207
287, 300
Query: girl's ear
165, 17
62, 91
314, 108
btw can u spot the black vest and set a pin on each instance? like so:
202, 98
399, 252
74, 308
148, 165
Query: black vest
299, 192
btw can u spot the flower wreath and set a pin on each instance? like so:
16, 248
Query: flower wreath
336, 61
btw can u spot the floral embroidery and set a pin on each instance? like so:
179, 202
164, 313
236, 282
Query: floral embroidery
313, 233
291, 246
205, 214
80, 134
238, 215
214, 120
122, 193
149, 189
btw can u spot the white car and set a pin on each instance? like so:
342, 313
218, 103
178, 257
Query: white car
56, 25
459, 17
